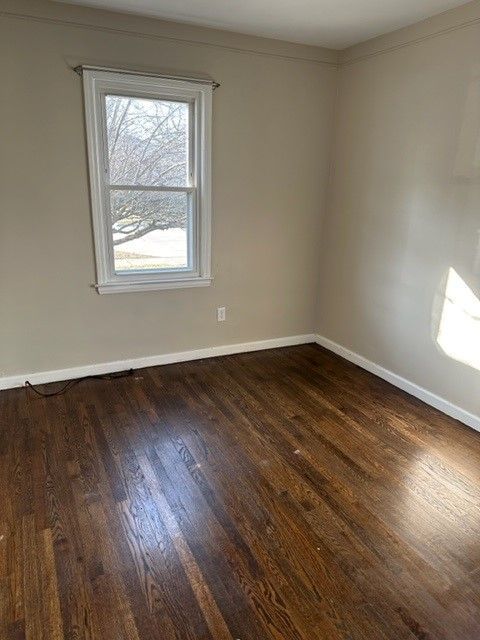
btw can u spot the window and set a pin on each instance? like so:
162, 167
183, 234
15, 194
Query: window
149, 142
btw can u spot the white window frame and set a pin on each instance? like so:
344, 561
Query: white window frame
97, 84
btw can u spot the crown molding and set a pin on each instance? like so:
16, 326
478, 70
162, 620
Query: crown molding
81, 17
463, 17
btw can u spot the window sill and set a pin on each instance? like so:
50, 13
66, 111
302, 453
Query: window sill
127, 287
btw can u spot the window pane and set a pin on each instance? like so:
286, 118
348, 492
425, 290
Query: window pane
150, 230
147, 141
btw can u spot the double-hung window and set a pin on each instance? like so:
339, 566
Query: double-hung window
149, 142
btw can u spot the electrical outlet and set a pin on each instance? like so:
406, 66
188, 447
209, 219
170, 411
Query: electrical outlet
221, 314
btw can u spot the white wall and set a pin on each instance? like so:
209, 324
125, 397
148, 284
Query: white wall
404, 206
271, 138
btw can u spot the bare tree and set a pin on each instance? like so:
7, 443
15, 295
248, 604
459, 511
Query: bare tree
147, 146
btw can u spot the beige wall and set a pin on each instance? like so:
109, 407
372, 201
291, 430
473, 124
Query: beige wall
403, 199
271, 138
404, 204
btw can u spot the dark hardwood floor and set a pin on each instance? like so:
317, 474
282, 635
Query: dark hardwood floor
284, 495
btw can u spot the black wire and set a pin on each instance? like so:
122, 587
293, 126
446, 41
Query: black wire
72, 383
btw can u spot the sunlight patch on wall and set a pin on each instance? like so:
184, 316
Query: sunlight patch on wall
459, 331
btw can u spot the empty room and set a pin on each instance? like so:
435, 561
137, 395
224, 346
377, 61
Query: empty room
240, 320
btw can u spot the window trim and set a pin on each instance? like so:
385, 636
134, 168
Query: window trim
96, 84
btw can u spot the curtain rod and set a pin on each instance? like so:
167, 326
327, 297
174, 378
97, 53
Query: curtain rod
85, 67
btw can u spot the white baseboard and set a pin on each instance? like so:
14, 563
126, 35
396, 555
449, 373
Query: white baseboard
428, 397
41, 377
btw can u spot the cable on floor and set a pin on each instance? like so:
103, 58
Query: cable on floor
72, 383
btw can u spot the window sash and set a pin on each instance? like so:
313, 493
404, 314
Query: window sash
137, 187
192, 173
192, 226
97, 84
191, 233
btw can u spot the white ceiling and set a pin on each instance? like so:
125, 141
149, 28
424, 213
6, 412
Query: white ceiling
330, 23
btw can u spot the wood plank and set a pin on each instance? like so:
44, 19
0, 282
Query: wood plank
277, 495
